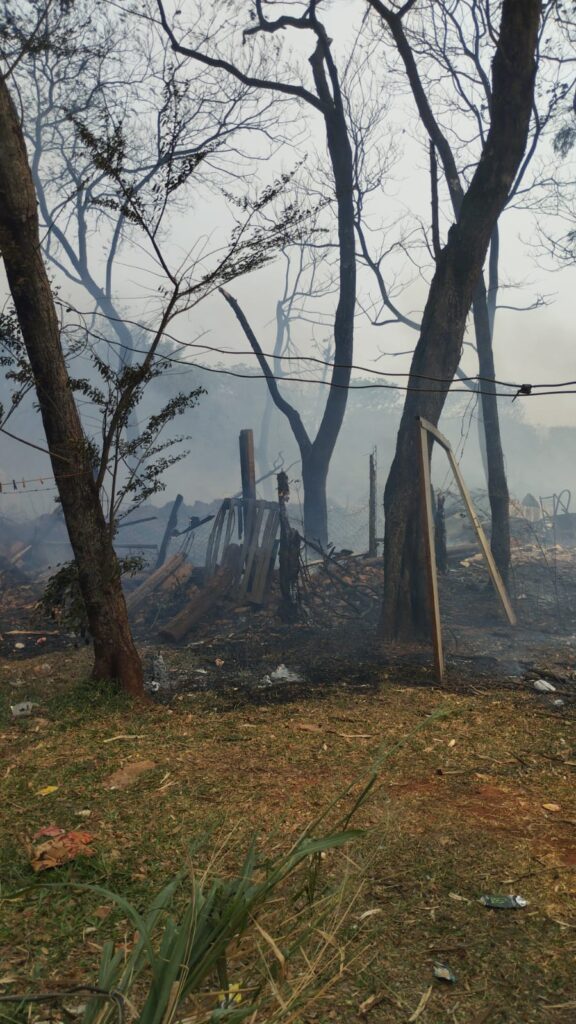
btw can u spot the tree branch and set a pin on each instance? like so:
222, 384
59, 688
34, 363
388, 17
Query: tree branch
298, 91
394, 22
292, 414
434, 201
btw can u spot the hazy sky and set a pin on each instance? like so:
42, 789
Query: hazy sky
530, 347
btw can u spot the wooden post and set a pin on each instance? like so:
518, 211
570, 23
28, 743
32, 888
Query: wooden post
248, 473
428, 516
169, 531
372, 543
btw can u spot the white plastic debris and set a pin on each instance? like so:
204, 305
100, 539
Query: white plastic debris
543, 686
160, 677
283, 674
159, 670
23, 709
558, 703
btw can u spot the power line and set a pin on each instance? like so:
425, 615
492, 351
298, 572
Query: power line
375, 385
301, 358
31, 444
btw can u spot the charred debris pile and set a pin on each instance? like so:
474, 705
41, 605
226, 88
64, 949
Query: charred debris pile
243, 565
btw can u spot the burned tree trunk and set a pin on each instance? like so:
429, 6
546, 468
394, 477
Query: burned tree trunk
328, 100
314, 474
115, 656
437, 354
495, 469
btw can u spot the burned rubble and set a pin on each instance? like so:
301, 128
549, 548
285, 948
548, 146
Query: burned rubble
233, 598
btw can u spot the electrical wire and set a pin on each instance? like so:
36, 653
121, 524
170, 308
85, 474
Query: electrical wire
311, 359
375, 385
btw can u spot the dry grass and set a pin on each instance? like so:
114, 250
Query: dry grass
457, 811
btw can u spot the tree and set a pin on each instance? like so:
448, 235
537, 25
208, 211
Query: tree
82, 467
453, 40
327, 99
458, 268
115, 656
303, 282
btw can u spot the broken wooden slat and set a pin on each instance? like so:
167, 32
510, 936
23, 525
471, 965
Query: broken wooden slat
428, 513
219, 586
137, 598
482, 539
169, 531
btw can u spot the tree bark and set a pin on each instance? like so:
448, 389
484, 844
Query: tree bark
115, 656
437, 354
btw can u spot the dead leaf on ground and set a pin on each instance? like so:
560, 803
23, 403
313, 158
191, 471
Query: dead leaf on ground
102, 912
551, 807
421, 1005
371, 1002
352, 735
129, 774
124, 736
309, 727
46, 790
60, 849
370, 913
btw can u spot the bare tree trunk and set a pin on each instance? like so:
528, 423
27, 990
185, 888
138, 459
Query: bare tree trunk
115, 656
496, 470
328, 101
458, 268
315, 502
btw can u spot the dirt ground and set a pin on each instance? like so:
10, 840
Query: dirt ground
474, 795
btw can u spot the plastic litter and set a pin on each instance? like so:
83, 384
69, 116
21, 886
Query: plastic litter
444, 973
504, 902
23, 709
158, 672
543, 686
282, 674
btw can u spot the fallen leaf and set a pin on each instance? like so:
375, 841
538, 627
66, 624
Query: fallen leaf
129, 774
352, 735
421, 1005
370, 913
219, 662
46, 790
551, 807
371, 1002
61, 849
123, 736
309, 727
48, 831
452, 743
456, 896
274, 947
102, 912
